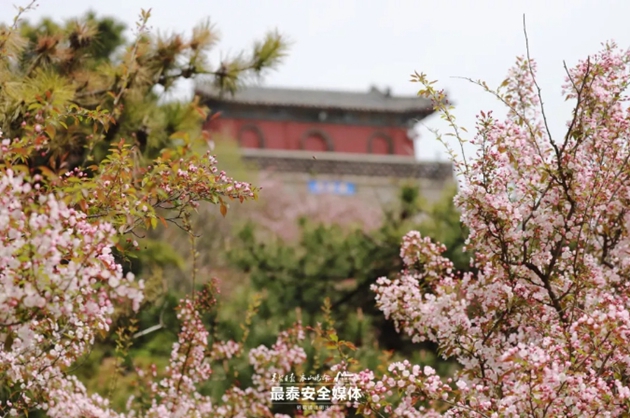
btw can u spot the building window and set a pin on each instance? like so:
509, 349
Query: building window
380, 143
316, 140
250, 136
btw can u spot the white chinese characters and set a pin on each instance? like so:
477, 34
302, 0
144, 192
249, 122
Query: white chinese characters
311, 393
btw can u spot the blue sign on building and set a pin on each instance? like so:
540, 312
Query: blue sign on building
331, 187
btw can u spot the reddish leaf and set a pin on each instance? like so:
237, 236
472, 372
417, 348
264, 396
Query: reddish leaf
47, 172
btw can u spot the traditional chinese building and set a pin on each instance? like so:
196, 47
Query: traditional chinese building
322, 141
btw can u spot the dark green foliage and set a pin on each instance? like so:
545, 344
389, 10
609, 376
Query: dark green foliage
328, 262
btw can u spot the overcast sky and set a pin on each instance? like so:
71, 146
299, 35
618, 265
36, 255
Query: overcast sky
348, 44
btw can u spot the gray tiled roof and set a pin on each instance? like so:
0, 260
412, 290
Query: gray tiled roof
372, 100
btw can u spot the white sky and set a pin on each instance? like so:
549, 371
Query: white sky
348, 44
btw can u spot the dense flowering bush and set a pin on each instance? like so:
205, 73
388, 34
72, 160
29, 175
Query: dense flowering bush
542, 328
59, 284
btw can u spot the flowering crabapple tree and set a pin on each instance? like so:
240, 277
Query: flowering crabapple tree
542, 328
62, 285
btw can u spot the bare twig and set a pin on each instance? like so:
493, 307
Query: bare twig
531, 71
21, 11
154, 328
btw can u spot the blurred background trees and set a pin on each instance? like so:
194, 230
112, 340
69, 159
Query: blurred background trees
330, 261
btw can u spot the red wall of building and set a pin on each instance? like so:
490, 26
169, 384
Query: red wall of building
289, 135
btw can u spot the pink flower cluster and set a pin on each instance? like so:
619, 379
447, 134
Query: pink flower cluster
279, 359
176, 394
59, 284
542, 326
198, 180
226, 350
